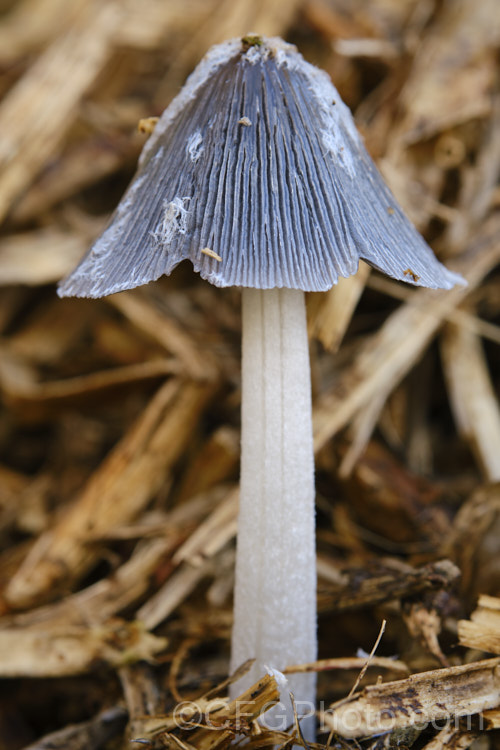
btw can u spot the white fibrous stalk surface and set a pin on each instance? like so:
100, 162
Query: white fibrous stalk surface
275, 590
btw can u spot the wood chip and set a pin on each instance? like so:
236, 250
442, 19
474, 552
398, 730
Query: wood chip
37, 113
452, 739
72, 650
473, 539
482, 631
472, 397
383, 584
94, 733
116, 493
436, 95
389, 355
329, 314
212, 534
208, 724
144, 315
39, 257
419, 700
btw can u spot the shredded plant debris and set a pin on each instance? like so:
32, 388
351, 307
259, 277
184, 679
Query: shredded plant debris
120, 426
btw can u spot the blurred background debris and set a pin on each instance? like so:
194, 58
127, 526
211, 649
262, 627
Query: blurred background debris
119, 418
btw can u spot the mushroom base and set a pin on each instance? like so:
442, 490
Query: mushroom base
275, 589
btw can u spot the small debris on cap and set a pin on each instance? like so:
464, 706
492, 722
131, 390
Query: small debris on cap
293, 201
147, 125
244, 121
211, 253
412, 274
251, 40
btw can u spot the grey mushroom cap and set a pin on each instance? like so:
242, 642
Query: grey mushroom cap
256, 174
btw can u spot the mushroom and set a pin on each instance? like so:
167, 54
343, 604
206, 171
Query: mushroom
257, 174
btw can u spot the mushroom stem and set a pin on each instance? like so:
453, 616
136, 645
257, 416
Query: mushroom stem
275, 589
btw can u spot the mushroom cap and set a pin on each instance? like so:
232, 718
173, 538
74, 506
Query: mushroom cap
257, 174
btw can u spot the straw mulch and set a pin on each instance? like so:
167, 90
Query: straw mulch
119, 429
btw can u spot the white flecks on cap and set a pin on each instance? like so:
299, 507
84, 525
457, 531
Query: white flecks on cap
173, 221
336, 118
195, 146
214, 58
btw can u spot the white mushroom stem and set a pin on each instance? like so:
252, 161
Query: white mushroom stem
275, 589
